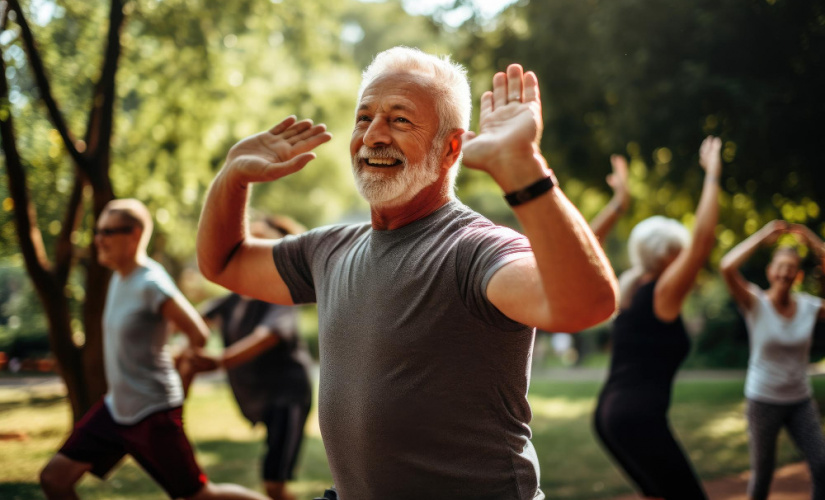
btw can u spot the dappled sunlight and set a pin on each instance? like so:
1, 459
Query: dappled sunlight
723, 427
561, 408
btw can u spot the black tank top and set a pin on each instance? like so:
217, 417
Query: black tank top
646, 351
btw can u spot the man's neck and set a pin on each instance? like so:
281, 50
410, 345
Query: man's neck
427, 201
124, 269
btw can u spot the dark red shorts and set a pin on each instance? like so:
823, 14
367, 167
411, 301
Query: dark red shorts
157, 443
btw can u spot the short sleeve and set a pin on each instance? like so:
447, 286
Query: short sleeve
484, 249
292, 256
158, 289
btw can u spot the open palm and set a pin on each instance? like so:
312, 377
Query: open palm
278, 152
510, 125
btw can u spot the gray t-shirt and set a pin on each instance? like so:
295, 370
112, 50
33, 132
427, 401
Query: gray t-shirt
423, 390
139, 370
780, 346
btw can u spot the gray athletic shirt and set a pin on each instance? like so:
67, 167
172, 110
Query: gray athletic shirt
423, 390
139, 371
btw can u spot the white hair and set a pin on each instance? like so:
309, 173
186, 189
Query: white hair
449, 85
654, 241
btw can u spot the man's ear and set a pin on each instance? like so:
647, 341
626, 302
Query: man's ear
800, 277
453, 148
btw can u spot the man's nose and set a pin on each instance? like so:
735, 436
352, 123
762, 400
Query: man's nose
378, 133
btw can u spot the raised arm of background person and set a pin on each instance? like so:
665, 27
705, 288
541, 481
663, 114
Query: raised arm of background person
227, 254
604, 221
678, 278
179, 311
817, 246
568, 284
738, 286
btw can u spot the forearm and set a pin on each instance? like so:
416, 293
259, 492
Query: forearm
604, 221
706, 217
739, 254
249, 347
222, 227
578, 282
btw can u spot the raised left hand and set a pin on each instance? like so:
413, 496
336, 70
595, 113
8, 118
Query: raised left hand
510, 128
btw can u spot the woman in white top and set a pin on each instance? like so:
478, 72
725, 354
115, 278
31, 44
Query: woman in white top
780, 326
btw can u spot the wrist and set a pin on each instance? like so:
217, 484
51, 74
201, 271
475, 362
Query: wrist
531, 191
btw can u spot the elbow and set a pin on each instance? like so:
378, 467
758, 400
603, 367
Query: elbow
590, 309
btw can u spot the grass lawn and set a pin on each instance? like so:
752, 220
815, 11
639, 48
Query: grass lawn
707, 416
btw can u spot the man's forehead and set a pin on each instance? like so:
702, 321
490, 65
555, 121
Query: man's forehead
398, 90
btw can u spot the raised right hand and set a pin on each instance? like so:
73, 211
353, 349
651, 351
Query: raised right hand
618, 181
278, 152
710, 157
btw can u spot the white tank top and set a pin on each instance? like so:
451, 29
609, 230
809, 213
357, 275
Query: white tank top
780, 349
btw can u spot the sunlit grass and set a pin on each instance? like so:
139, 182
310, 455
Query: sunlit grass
708, 417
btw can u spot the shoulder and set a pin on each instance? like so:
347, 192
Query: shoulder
155, 277
810, 300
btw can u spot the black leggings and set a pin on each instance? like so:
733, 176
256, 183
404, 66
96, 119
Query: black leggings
802, 422
643, 446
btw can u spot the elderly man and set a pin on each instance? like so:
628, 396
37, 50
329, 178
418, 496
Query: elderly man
140, 414
426, 313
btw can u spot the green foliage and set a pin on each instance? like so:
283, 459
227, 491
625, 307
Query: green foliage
650, 79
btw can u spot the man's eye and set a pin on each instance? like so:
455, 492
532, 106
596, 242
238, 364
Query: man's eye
362, 118
401, 119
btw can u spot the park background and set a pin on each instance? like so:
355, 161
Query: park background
143, 99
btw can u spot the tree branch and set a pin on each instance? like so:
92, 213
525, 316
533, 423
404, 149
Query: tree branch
99, 131
25, 215
64, 248
43, 84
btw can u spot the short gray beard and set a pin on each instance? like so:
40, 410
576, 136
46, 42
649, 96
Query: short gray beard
382, 190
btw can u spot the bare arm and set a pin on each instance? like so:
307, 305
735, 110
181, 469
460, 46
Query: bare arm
253, 345
817, 247
180, 312
568, 284
678, 279
604, 221
737, 285
227, 254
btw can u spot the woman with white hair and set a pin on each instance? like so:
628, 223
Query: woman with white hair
780, 325
650, 342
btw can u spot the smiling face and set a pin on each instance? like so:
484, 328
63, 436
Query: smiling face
393, 151
783, 270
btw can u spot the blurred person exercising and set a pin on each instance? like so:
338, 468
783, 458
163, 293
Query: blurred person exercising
424, 312
141, 413
268, 367
780, 326
650, 342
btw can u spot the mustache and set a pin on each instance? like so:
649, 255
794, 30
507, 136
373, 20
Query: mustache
391, 152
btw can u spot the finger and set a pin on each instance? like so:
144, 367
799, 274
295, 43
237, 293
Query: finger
486, 105
314, 130
296, 129
499, 90
285, 123
531, 87
312, 142
467, 137
515, 82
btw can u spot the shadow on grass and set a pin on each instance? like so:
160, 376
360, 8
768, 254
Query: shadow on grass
20, 491
32, 401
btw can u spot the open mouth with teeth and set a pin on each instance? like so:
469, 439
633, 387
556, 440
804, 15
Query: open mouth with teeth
381, 162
